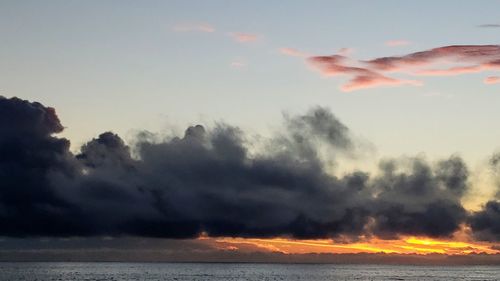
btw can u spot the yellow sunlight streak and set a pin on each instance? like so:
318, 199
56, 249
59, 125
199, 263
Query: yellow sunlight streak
406, 245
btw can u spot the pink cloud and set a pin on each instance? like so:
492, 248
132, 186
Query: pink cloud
451, 71
244, 37
373, 73
492, 80
372, 81
238, 64
477, 54
293, 52
189, 27
397, 43
337, 65
361, 78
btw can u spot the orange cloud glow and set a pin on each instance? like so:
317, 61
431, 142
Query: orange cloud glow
408, 245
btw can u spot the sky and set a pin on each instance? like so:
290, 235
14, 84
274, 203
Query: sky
127, 66
378, 103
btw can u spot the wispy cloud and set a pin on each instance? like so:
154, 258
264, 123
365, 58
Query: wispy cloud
492, 80
293, 52
345, 51
244, 37
397, 43
375, 80
470, 58
442, 61
490, 25
196, 27
238, 64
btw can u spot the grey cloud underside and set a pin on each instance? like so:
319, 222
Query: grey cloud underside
210, 181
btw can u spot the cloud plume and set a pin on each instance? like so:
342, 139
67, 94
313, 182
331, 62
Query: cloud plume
211, 181
442, 61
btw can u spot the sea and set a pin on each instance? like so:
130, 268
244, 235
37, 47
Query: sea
46, 271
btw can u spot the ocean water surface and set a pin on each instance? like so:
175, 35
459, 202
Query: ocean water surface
233, 271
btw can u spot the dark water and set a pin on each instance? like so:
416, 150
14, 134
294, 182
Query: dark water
198, 271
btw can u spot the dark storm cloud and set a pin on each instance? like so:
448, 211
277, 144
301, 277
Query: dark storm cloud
424, 200
214, 181
486, 222
29, 154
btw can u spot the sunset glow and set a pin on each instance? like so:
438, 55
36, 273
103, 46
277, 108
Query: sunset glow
408, 245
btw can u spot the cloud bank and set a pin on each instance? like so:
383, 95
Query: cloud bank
382, 71
212, 181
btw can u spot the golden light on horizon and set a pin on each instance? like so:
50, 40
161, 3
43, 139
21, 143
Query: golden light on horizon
406, 245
